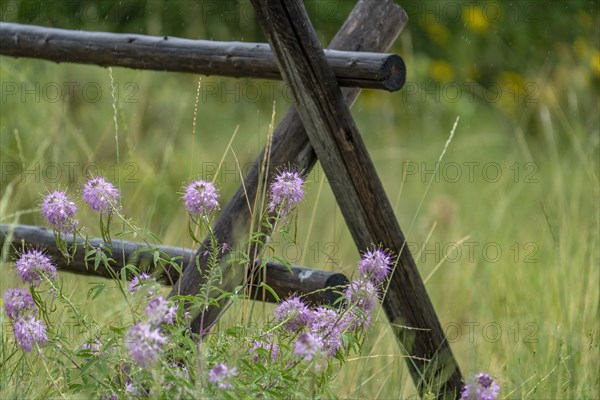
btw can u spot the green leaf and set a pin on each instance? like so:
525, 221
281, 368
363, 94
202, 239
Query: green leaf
123, 274
124, 233
153, 236
191, 232
97, 259
96, 290
117, 329
270, 290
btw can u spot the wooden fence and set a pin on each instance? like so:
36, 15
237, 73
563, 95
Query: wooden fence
319, 126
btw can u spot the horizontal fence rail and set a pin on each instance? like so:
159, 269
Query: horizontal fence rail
320, 126
166, 53
318, 286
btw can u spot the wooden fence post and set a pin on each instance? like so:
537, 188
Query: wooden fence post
358, 190
372, 25
321, 126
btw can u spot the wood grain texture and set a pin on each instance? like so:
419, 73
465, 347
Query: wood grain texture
165, 53
372, 25
358, 190
318, 287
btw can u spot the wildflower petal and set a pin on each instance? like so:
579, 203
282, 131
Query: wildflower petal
145, 343
32, 264
17, 302
28, 331
59, 210
286, 191
100, 195
201, 198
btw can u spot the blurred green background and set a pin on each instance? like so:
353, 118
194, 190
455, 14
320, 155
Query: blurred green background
506, 236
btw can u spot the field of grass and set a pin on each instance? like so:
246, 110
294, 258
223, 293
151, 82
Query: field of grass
506, 236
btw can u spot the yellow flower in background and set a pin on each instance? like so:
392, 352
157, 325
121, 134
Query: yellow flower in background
585, 19
437, 32
596, 63
589, 55
512, 91
511, 80
581, 47
441, 71
475, 19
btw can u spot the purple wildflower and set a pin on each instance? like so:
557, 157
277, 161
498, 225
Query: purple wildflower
308, 345
100, 195
180, 371
266, 345
481, 387
356, 319
201, 198
219, 375
175, 385
286, 191
327, 324
160, 312
17, 302
91, 348
225, 248
59, 210
376, 265
294, 312
29, 330
113, 396
144, 343
32, 264
362, 294
136, 282
130, 388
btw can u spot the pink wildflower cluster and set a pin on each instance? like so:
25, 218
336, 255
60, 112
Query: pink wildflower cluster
59, 209
100, 195
201, 198
145, 340
481, 387
286, 191
320, 330
220, 375
22, 313
33, 265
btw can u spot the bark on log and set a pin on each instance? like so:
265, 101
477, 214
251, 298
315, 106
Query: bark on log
372, 25
358, 190
320, 287
164, 53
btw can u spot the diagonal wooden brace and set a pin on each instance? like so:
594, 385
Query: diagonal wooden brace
358, 190
373, 25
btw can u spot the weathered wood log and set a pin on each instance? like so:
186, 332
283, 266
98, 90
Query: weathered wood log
318, 286
358, 190
163, 53
372, 25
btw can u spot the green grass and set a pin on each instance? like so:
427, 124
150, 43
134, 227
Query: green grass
528, 316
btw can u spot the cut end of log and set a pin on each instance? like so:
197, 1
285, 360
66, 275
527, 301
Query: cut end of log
396, 68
